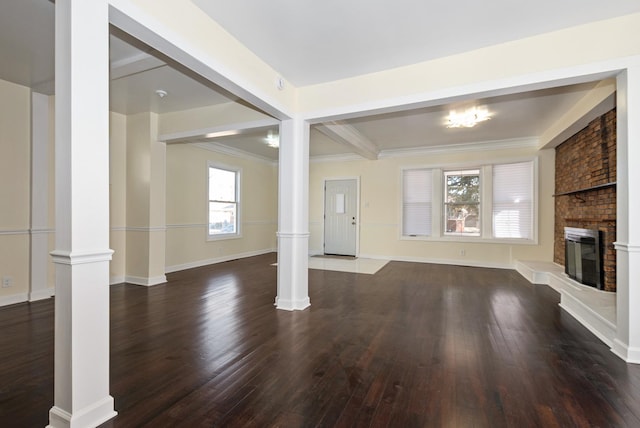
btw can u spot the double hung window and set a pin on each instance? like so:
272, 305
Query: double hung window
223, 202
490, 202
462, 202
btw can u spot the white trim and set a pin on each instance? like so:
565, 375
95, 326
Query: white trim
292, 305
345, 134
293, 234
260, 223
42, 294
575, 298
204, 225
13, 299
342, 157
628, 248
187, 226
230, 151
41, 231
469, 239
627, 353
206, 262
92, 415
143, 229
457, 262
14, 232
515, 143
118, 279
147, 282
517, 83
218, 131
82, 257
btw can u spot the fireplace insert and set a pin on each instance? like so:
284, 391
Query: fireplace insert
583, 256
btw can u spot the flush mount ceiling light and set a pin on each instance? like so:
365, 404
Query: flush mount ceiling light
272, 140
161, 93
467, 119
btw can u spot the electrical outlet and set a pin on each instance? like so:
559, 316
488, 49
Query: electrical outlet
462, 252
7, 282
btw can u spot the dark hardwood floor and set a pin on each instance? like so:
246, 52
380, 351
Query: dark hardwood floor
416, 345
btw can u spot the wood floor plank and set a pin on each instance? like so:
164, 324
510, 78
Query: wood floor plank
415, 345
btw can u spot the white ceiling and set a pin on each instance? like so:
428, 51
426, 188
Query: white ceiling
310, 43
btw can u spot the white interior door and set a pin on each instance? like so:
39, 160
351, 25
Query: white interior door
340, 217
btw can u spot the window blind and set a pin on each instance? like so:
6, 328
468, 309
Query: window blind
416, 202
513, 200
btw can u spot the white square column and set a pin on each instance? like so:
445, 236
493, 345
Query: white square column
82, 254
627, 342
293, 216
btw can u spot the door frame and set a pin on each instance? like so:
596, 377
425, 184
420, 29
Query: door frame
324, 186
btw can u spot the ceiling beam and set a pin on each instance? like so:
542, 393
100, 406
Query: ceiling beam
349, 136
199, 135
597, 102
134, 65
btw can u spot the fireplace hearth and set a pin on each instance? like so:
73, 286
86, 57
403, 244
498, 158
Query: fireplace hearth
583, 256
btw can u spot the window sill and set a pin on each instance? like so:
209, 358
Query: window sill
224, 237
471, 239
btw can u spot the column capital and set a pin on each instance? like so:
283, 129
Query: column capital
80, 257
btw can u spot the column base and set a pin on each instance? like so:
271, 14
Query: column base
627, 353
91, 416
41, 294
293, 275
292, 305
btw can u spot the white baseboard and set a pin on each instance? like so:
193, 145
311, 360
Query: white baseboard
116, 280
13, 299
90, 416
292, 305
199, 263
147, 282
627, 353
42, 294
457, 262
596, 315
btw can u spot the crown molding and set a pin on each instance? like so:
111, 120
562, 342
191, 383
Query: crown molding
226, 150
343, 157
516, 143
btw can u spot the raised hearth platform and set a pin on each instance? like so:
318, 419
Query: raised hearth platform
593, 308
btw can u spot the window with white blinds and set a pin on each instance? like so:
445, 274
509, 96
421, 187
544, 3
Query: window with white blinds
417, 188
513, 200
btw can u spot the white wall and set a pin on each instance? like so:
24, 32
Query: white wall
118, 195
15, 170
187, 171
380, 201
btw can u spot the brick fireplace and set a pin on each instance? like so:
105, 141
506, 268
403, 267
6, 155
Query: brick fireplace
585, 191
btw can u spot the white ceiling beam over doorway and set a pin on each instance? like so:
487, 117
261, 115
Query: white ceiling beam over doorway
351, 137
219, 131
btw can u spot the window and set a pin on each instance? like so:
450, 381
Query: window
513, 200
462, 202
223, 202
416, 202
479, 203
